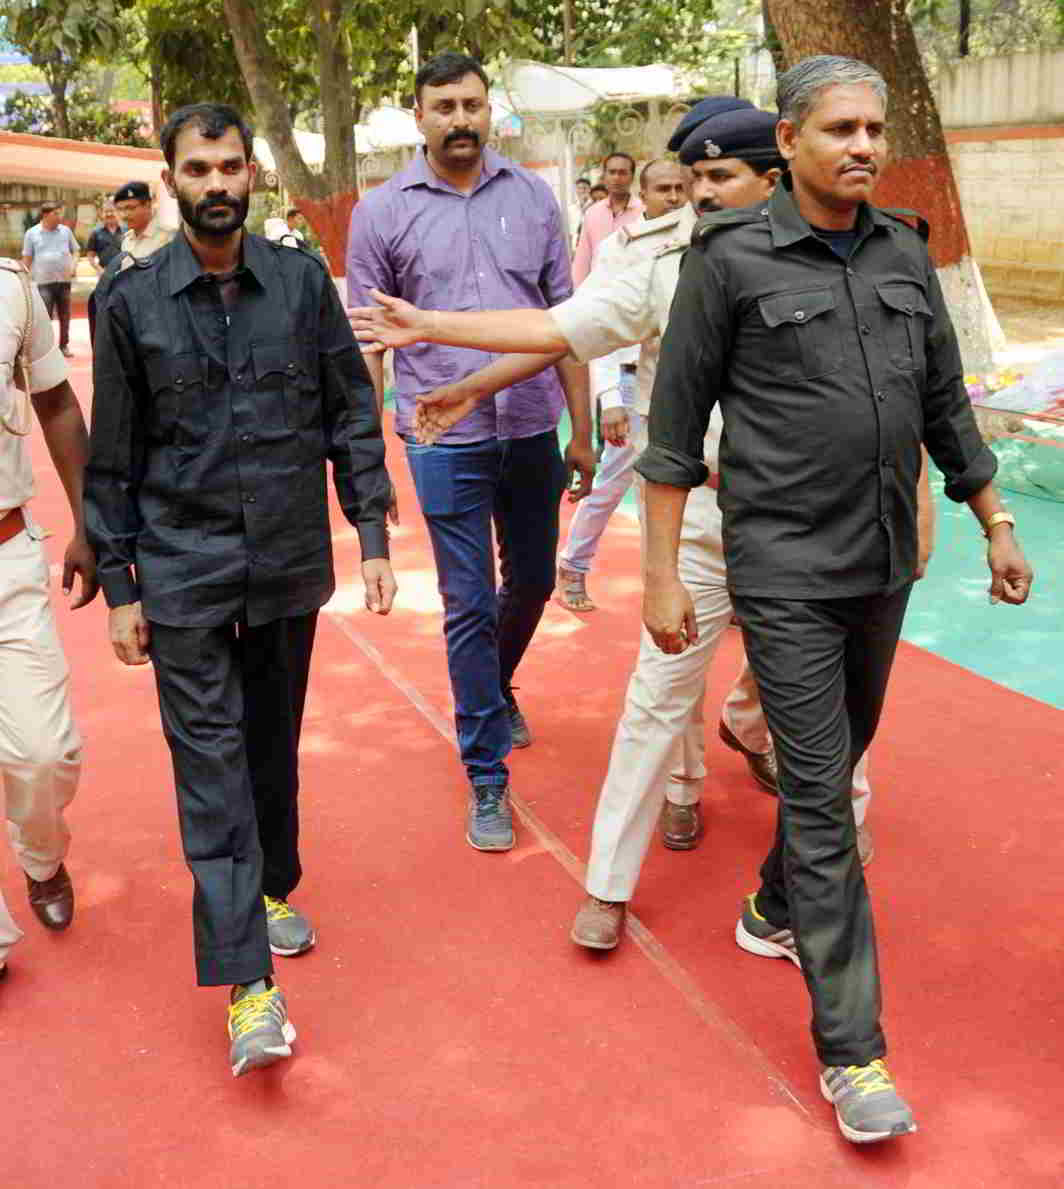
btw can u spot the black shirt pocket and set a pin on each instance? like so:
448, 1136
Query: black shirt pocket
177, 385
906, 317
803, 341
284, 383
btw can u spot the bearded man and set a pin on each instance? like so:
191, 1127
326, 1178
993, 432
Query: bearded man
225, 374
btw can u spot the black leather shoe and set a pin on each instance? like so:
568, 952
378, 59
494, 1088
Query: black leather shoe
52, 899
762, 767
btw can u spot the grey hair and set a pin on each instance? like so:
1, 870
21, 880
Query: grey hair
797, 89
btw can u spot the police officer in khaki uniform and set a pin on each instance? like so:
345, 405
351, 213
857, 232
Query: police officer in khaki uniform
145, 234
40, 749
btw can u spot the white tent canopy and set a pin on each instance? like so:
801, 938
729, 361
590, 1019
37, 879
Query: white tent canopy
553, 90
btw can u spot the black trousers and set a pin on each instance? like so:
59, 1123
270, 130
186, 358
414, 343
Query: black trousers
56, 298
822, 668
232, 700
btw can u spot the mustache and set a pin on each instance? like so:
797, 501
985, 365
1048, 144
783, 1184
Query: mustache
206, 204
461, 134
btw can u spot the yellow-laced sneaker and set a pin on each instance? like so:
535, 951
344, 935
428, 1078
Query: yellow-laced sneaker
289, 931
867, 1106
259, 1028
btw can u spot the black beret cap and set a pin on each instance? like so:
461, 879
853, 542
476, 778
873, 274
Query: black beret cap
749, 135
702, 110
137, 190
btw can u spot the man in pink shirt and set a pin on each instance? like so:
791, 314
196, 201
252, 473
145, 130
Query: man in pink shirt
619, 208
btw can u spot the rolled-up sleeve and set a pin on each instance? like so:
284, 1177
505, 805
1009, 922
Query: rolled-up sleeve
116, 456
693, 353
354, 441
951, 434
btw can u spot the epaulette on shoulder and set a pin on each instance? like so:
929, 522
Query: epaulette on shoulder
9, 265
716, 221
922, 227
279, 245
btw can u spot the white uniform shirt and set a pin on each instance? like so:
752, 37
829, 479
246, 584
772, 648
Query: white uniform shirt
153, 237
47, 368
627, 298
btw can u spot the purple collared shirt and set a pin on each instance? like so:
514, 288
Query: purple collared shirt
501, 247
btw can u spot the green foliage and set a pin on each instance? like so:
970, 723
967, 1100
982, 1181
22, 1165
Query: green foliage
89, 119
996, 27
64, 31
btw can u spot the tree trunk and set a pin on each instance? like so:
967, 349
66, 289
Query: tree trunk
330, 214
964, 28
58, 79
324, 199
919, 175
157, 118
772, 41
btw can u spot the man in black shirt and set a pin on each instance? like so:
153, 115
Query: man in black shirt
225, 374
105, 242
818, 324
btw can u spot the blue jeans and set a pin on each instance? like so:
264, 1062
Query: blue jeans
518, 483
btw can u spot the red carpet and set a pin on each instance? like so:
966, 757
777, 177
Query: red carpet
450, 1035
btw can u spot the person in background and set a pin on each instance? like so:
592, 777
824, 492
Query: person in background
296, 223
105, 241
663, 187
145, 234
50, 255
618, 208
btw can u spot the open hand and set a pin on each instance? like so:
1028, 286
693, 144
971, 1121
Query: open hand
391, 323
440, 409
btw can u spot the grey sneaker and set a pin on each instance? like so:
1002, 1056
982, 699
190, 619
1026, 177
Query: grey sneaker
259, 1029
519, 732
289, 931
867, 1107
491, 824
758, 936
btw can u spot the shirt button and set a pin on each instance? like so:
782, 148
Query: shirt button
884, 520
239, 376
245, 437
866, 329
849, 272
799, 315
249, 498
880, 394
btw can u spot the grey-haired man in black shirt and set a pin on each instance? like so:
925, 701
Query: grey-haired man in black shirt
818, 324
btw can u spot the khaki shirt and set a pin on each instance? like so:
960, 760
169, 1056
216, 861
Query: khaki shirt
47, 368
151, 240
627, 298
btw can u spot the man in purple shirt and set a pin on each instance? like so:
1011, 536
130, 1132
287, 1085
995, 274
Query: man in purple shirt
462, 228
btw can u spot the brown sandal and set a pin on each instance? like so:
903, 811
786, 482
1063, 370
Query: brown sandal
572, 591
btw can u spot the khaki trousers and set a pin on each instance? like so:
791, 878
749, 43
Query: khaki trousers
40, 749
659, 748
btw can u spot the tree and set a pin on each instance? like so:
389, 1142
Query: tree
919, 175
61, 38
88, 119
948, 30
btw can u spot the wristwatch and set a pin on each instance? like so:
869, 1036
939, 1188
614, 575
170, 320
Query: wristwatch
998, 518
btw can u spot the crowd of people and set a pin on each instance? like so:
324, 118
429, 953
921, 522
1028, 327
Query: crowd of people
790, 359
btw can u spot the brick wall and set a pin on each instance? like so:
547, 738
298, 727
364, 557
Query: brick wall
1011, 186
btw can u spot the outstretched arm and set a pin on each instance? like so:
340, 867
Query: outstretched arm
396, 323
